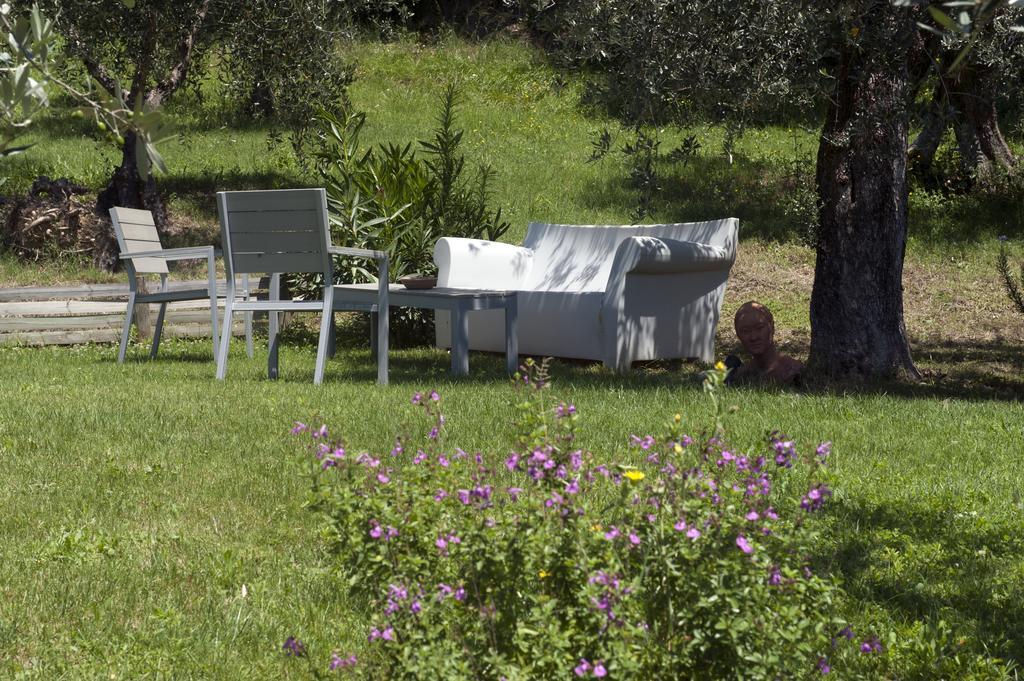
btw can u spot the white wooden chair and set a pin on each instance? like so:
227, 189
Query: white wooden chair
142, 254
286, 231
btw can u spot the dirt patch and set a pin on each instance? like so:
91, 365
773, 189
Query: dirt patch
964, 332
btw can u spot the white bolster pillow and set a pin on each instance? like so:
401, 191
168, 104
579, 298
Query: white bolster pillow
476, 263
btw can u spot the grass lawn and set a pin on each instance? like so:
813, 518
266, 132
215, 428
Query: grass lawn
153, 518
154, 523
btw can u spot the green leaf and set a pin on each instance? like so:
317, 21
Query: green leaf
944, 20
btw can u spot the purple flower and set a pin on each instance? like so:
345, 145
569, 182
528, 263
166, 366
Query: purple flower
744, 545
634, 539
299, 428
375, 530
612, 533
294, 647
582, 668
823, 450
693, 533
420, 457
460, 594
514, 492
512, 462
774, 576
434, 397
815, 498
417, 397
387, 634
822, 666
383, 479
753, 516
680, 525
443, 460
599, 670
338, 662
321, 432
441, 494
871, 645
464, 496
433, 433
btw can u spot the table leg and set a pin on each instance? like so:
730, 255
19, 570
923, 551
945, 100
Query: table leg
374, 343
460, 341
511, 335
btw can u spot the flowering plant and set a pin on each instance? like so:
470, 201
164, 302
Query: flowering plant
548, 560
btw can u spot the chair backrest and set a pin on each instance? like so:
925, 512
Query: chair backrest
275, 231
580, 257
136, 232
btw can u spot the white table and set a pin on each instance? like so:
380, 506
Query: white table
456, 300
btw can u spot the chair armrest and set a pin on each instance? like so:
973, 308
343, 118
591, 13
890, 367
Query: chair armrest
190, 253
653, 255
357, 252
476, 263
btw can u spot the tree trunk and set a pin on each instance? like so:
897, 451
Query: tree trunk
936, 119
857, 327
972, 92
128, 189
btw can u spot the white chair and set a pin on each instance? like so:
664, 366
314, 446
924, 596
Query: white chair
286, 231
615, 293
142, 253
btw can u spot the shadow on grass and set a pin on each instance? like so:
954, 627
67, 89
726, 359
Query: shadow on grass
936, 561
200, 189
774, 200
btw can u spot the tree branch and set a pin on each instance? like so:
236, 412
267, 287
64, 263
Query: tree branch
97, 70
180, 70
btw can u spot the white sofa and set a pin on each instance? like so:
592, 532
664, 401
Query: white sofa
610, 293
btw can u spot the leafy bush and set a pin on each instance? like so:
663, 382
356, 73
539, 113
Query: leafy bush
391, 198
416, 198
1014, 285
554, 560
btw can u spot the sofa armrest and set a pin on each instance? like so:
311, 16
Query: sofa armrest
653, 255
475, 263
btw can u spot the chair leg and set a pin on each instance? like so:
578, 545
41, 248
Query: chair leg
332, 340
248, 334
248, 317
225, 338
158, 331
273, 325
382, 347
325, 332
127, 328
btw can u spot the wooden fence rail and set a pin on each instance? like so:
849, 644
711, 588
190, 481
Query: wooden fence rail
87, 313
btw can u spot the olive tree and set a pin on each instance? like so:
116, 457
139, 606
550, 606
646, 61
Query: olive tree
857, 62
156, 47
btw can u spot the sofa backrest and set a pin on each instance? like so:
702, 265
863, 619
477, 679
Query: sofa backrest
579, 257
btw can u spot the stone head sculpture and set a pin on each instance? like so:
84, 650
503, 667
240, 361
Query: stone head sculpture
755, 328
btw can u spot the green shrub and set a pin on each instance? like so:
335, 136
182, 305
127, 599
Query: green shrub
554, 560
394, 199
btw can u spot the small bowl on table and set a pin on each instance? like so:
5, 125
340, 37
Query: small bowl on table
417, 281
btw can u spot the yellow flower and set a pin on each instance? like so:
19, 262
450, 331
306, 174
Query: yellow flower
678, 418
635, 476
855, 31
543, 574
720, 366
596, 527
678, 448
